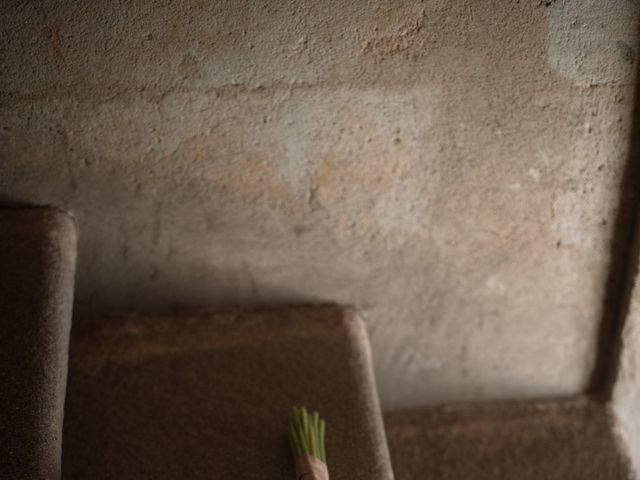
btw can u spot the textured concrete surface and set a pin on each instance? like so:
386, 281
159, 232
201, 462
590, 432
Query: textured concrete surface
208, 396
626, 393
37, 261
562, 440
449, 167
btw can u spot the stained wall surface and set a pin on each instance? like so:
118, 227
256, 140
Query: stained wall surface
450, 167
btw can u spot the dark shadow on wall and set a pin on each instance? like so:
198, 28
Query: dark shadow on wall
178, 289
624, 256
180, 294
9, 202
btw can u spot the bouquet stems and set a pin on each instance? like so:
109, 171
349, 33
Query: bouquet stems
307, 438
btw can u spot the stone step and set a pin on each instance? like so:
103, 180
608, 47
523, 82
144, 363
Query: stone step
37, 266
207, 396
564, 440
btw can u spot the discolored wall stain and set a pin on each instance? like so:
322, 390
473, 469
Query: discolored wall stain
591, 42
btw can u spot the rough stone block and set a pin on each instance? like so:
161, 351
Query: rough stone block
207, 396
563, 440
37, 265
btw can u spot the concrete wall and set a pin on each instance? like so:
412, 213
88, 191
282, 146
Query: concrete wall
626, 399
449, 167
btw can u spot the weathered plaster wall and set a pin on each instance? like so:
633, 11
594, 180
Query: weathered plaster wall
449, 167
626, 385
626, 399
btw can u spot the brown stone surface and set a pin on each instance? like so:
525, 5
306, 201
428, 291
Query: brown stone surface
37, 264
207, 396
514, 441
